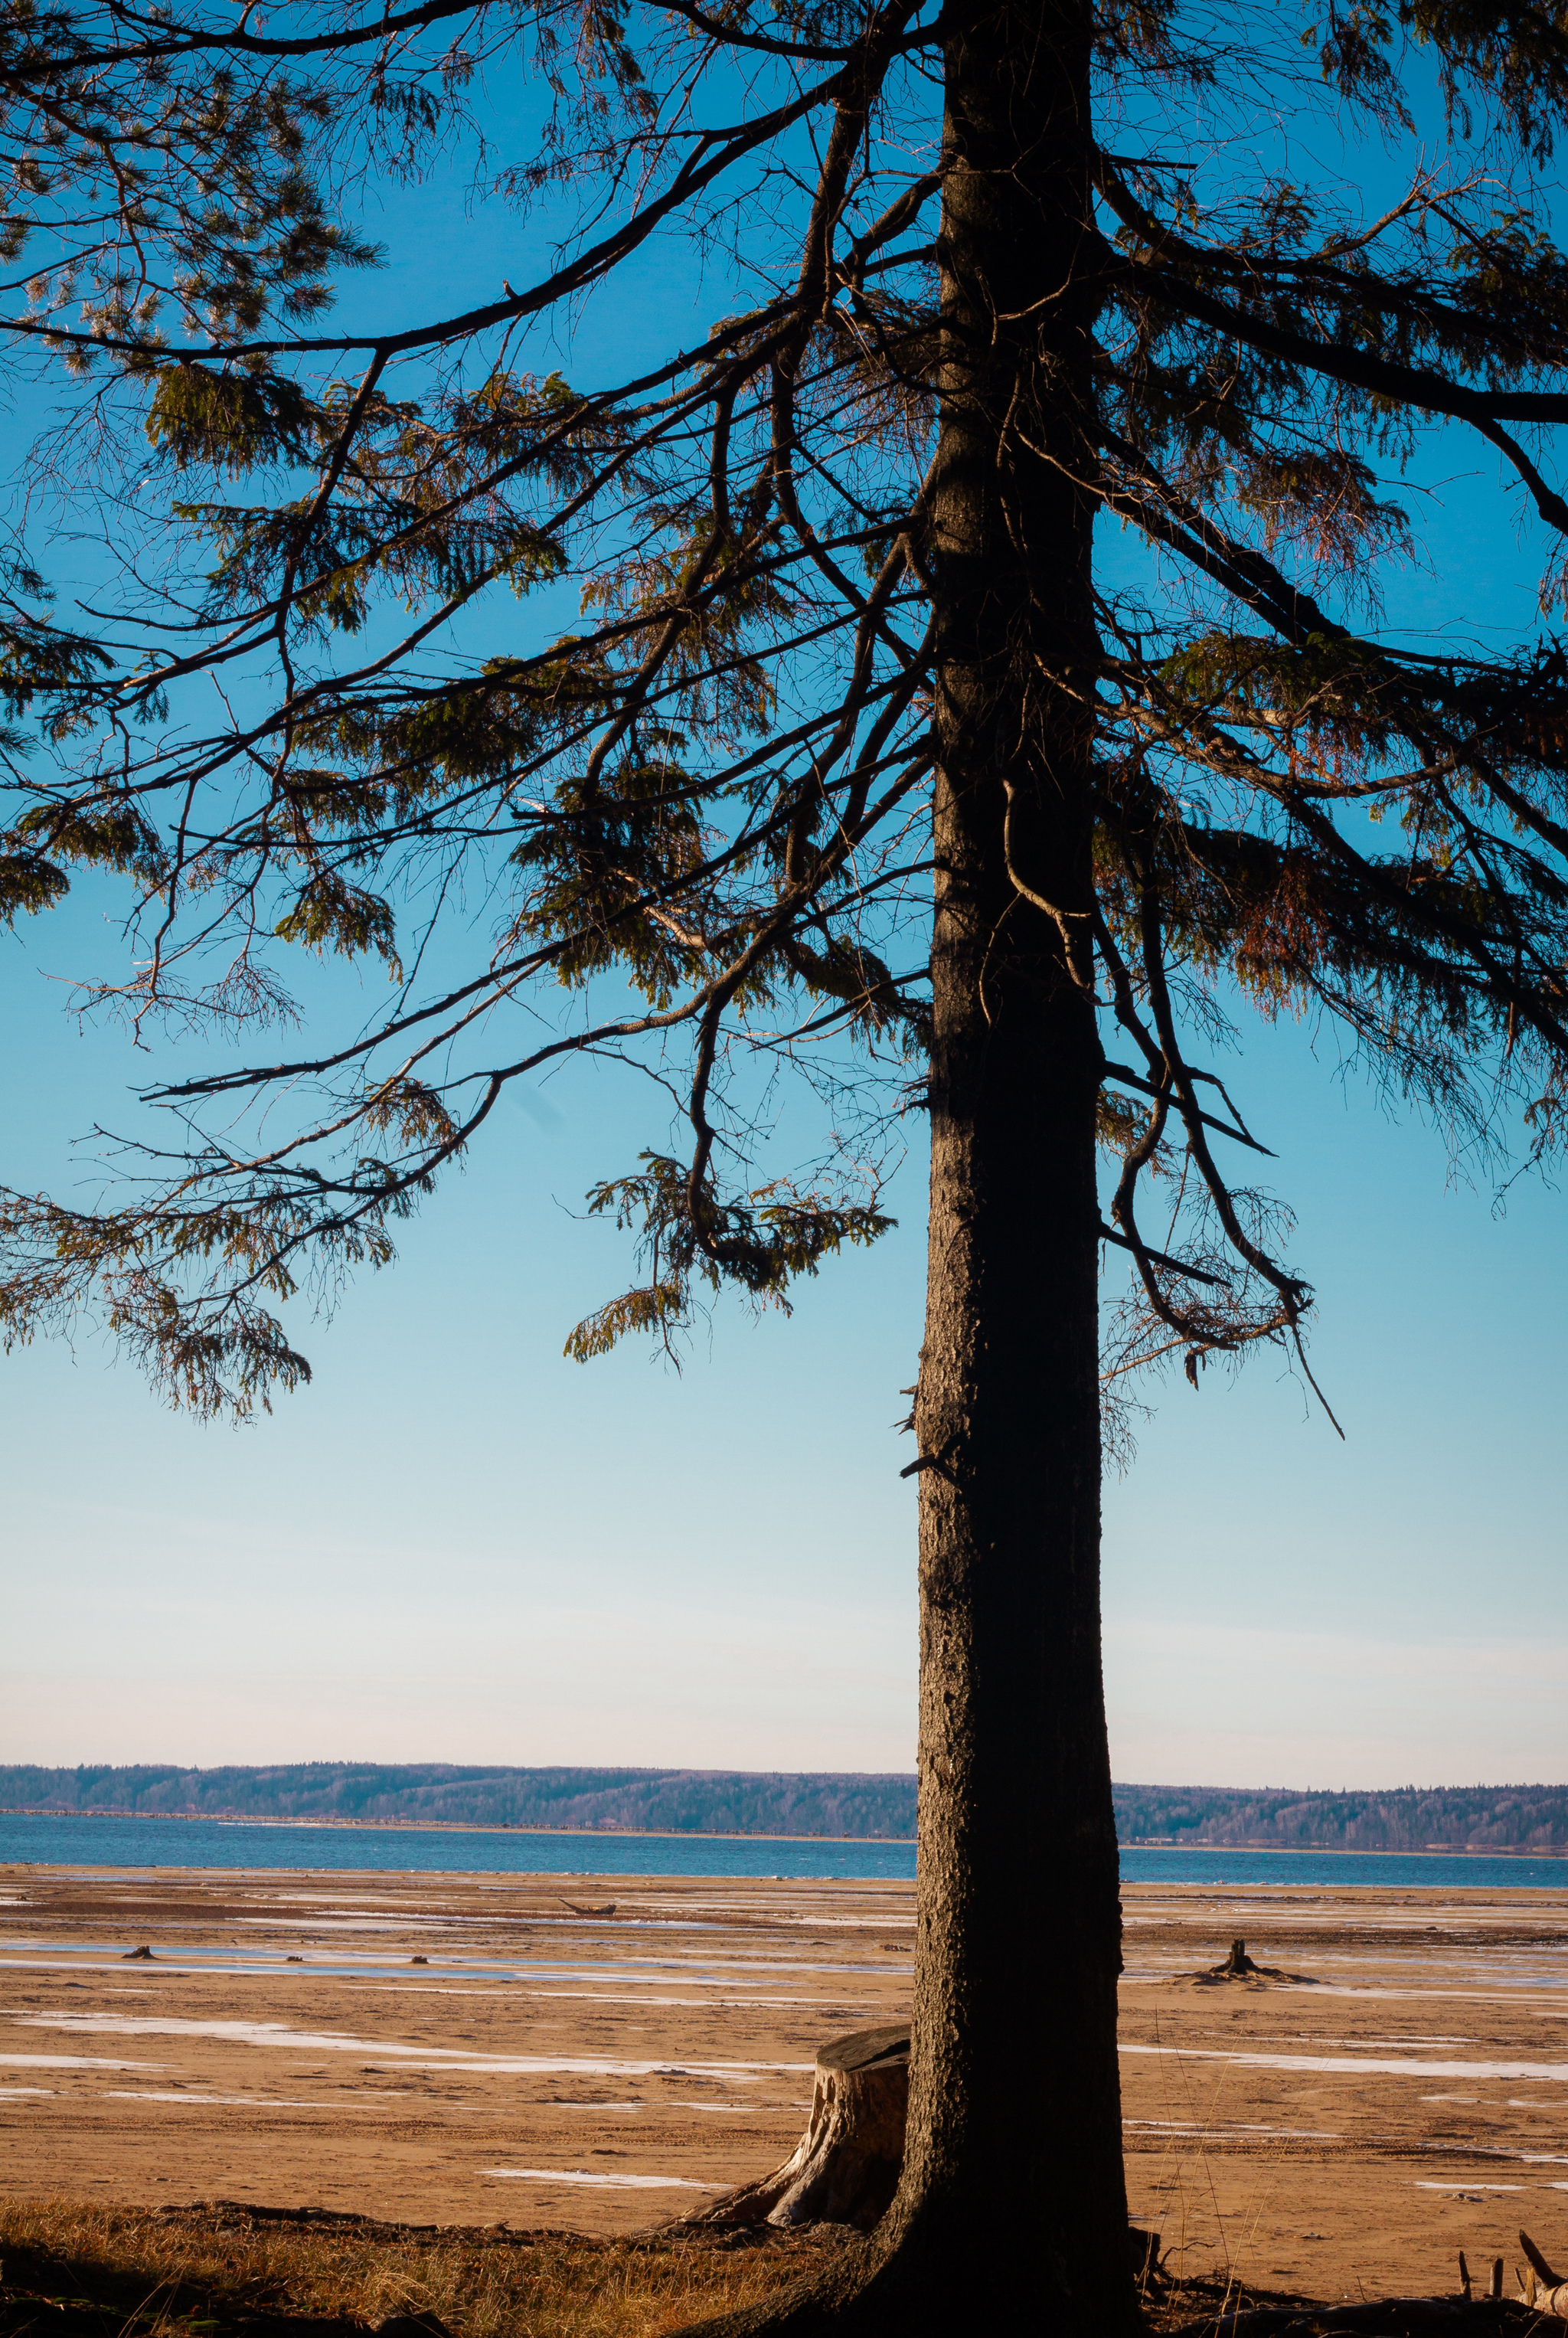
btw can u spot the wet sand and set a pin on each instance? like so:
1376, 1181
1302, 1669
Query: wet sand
1406, 2097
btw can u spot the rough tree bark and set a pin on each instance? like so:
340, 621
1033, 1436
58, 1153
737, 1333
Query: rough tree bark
1011, 2212
1017, 1843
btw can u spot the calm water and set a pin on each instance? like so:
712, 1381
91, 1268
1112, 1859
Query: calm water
107, 1843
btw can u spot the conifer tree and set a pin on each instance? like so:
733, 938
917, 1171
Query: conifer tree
857, 754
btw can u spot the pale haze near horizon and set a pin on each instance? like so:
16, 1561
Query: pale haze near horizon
458, 1546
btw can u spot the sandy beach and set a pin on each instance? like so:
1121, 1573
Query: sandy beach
1400, 2094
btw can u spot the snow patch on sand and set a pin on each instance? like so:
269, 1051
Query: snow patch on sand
450, 2059
620, 2183
71, 2062
1355, 2064
244, 2102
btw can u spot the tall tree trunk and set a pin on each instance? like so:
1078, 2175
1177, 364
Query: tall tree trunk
1019, 1919
1011, 2212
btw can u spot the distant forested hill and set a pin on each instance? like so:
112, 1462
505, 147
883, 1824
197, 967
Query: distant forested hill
656, 1801
764, 1803
1409, 1818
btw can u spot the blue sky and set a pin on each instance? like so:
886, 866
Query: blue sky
457, 1545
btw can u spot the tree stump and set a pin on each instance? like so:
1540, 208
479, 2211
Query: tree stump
1238, 1966
845, 2169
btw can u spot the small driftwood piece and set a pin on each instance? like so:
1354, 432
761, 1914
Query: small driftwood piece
1143, 2252
607, 1908
1543, 2289
845, 2169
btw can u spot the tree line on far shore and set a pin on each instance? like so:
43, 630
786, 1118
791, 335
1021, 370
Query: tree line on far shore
655, 1802
876, 1805
1407, 1818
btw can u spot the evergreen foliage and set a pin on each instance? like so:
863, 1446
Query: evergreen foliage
700, 813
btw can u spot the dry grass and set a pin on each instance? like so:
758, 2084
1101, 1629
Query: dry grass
222, 2271
70, 2270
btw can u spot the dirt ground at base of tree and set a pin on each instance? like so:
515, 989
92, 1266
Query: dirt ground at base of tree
1346, 2130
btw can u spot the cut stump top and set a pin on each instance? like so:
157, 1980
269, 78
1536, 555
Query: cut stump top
862, 2049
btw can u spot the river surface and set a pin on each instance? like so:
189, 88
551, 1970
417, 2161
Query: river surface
113, 1843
